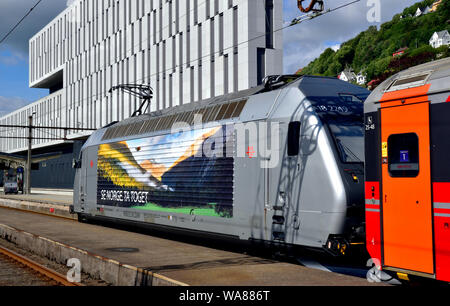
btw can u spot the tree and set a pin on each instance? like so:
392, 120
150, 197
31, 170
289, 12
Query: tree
373, 48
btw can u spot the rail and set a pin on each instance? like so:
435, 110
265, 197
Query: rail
38, 267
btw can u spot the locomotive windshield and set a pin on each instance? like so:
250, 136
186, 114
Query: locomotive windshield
344, 116
348, 133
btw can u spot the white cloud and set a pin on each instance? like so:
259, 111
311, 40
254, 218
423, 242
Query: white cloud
13, 59
336, 47
69, 2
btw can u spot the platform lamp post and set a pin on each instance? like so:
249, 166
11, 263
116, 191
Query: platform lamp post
30, 143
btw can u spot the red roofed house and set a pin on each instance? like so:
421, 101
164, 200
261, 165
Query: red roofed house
372, 84
400, 52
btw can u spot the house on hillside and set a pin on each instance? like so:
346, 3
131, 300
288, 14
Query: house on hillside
347, 76
361, 78
299, 71
399, 52
422, 11
440, 39
418, 12
435, 6
373, 84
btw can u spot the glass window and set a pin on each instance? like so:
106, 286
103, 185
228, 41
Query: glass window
344, 115
294, 138
403, 155
348, 133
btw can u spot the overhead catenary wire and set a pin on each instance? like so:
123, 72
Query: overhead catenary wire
19, 22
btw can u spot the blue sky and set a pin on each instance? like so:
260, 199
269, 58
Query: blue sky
302, 43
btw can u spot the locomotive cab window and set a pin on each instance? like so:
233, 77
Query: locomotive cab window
294, 138
403, 155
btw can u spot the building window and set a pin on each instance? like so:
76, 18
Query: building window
261, 65
269, 24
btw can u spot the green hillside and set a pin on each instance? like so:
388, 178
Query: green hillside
372, 49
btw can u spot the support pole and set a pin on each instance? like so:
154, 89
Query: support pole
30, 143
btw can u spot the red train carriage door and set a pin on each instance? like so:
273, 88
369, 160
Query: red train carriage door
407, 218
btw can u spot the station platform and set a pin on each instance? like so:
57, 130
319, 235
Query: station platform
175, 261
57, 196
54, 202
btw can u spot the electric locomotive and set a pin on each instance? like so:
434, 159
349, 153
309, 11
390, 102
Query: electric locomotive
282, 163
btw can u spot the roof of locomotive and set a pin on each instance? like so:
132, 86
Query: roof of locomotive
312, 87
435, 73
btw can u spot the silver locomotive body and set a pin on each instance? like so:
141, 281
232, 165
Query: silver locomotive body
289, 168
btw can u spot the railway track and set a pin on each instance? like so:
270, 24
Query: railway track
17, 270
309, 260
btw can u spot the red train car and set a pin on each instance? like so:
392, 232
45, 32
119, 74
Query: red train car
407, 189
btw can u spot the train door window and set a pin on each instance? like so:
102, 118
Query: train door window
403, 155
294, 138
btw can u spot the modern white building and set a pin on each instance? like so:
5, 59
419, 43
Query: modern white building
186, 50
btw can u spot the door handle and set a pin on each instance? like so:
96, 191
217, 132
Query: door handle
385, 198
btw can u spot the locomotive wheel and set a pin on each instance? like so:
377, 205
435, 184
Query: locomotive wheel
82, 218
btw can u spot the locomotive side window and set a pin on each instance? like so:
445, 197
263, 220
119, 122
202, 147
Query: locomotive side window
294, 138
403, 155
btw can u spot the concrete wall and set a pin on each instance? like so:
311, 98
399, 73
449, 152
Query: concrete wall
57, 173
